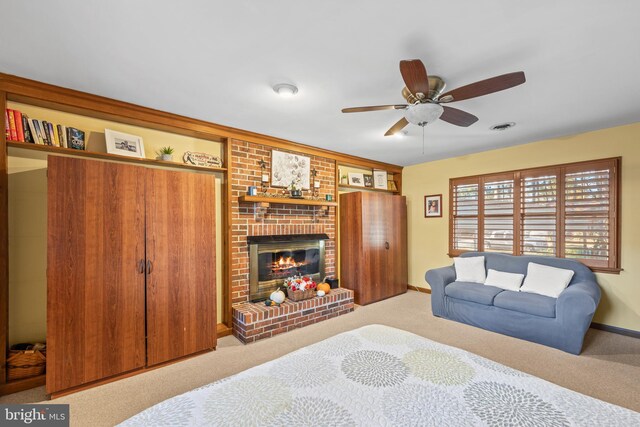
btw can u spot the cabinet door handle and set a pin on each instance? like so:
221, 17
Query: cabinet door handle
141, 266
386, 245
149, 267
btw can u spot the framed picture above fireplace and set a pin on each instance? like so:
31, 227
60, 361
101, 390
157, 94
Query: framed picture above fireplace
290, 169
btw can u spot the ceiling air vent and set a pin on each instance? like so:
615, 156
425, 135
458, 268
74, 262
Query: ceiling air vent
503, 126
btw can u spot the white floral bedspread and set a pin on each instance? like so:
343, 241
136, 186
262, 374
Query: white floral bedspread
381, 376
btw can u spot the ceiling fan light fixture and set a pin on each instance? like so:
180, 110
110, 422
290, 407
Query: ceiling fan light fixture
285, 90
400, 134
423, 114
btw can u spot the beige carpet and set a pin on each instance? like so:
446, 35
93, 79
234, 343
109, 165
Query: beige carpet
608, 369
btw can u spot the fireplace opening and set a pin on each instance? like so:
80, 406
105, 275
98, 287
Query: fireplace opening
272, 259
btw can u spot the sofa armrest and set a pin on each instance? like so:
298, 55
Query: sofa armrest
577, 304
438, 279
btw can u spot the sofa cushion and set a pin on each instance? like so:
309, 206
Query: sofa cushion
545, 280
537, 305
474, 292
470, 269
504, 280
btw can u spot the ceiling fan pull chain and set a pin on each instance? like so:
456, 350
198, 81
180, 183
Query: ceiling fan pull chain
423, 140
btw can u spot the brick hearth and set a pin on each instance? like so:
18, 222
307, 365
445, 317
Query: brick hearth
255, 321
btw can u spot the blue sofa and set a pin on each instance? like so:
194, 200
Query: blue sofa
560, 323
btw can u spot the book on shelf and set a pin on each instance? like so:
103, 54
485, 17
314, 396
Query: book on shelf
45, 132
17, 118
36, 138
75, 138
54, 134
39, 132
7, 132
62, 135
12, 126
28, 137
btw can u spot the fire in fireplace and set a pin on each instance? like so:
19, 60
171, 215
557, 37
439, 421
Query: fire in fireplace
274, 258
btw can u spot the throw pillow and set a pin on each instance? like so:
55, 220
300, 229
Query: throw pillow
504, 280
470, 269
545, 280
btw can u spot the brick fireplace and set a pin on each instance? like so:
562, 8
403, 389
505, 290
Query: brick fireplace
279, 220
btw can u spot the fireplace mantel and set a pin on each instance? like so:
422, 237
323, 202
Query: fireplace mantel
284, 201
286, 238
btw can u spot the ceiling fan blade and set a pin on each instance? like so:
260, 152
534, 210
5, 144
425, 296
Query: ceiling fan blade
457, 117
400, 124
374, 108
484, 87
415, 77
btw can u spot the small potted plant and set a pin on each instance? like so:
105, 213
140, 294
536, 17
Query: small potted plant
296, 193
166, 153
344, 180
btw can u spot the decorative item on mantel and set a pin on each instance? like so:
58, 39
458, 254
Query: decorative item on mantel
201, 159
316, 183
300, 288
264, 177
295, 191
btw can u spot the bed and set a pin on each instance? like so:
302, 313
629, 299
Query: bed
381, 376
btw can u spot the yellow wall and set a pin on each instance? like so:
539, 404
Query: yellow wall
428, 237
28, 255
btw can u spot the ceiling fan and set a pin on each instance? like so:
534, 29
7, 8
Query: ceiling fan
424, 96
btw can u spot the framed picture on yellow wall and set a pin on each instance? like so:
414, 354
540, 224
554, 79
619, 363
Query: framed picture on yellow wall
433, 206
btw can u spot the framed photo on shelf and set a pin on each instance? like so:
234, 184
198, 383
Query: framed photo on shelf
380, 180
356, 179
290, 168
433, 206
124, 144
368, 180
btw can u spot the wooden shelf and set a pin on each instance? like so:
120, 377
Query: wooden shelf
107, 156
352, 187
285, 201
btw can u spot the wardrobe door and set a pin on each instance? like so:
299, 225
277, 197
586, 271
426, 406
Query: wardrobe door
181, 267
374, 246
353, 254
396, 223
95, 285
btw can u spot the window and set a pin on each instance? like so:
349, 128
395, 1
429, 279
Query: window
568, 211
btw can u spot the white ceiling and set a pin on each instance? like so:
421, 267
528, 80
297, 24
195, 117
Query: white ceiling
217, 61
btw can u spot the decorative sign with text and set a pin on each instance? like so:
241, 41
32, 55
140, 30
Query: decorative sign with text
202, 159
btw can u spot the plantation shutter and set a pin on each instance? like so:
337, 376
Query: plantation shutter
568, 211
498, 209
590, 213
539, 213
464, 199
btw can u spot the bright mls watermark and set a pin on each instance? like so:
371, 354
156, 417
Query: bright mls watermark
34, 415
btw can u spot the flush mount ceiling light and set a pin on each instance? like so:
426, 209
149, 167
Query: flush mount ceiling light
285, 89
503, 126
423, 114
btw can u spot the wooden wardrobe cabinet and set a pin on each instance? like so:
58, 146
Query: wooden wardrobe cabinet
131, 268
373, 245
